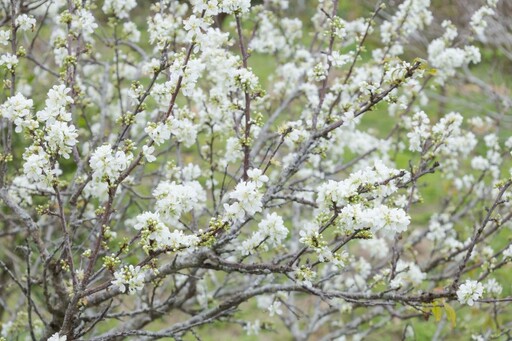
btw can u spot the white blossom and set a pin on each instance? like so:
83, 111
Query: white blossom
230, 6
175, 199
257, 176
57, 337
120, 8
253, 328
493, 287
61, 137
129, 279
5, 35
107, 163
249, 197
18, 110
25, 22
9, 61
148, 153
84, 22
469, 292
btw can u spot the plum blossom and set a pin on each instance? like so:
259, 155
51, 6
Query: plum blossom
271, 231
107, 163
175, 199
248, 196
129, 279
361, 186
18, 110
57, 337
9, 61
120, 8
469, 292
4, 37
257, 176
230, 6
25, 22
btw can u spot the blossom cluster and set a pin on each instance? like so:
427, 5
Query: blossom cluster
150, 152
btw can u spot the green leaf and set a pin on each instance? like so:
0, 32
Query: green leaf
450, 312
437, 312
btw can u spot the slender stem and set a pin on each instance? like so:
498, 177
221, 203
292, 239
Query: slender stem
247, 109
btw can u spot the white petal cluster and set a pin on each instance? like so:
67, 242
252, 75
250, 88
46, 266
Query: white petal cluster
56, 106
57, 337
25, 22
120, 8
376, 247
148, 153
194, 26
58, 136
61, 137
175, 199
131, 32
129, 279
183, 128
84, 23
493, 287
270, 304
257, 176
18, 110
37, 167
407, 272
271, 232
440, 227
107, 163
478, 22
447, 59
248, 200
311, 237
210, 7
363, 184
253, 328
230, 6
9, 61
412, 15
361, 272
190, 172
277, 35
419, 131
380, 217
22, 189
469, 292
507, 253
4, 37
247, 80
448, 136
455, 141
158, 132
356, 200
155, 235
305, 276
162, 26
178, 240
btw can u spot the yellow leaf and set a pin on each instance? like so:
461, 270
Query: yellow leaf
437, 312
450, 312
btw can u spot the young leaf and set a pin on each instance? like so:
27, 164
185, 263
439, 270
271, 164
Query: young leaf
450, 312
437, 312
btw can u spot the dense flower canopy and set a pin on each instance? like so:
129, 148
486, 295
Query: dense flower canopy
213, 163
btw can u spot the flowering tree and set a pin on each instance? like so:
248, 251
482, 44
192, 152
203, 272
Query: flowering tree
154, 181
